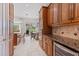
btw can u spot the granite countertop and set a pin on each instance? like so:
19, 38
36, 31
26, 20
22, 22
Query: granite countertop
70, 42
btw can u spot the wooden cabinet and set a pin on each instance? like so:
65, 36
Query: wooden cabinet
43, 20
57, 14
54, 14
46, 28
47, 45
76, 12
43, 23
11, 49
50, 47
11, 11
63, 13
66, 13
50, 14
14, 39
11, 19
70, 13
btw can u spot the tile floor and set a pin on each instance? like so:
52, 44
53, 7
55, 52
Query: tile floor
30, 47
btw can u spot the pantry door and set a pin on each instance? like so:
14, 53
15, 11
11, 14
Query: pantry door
4, 38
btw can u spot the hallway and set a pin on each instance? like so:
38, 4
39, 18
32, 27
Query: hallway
29, 48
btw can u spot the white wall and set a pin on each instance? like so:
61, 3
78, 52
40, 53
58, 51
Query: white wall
30, 10
27, 13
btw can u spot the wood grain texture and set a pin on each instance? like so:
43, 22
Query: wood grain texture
11, 18
48, 45
50, 14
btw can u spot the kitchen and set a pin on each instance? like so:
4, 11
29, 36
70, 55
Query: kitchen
58, 27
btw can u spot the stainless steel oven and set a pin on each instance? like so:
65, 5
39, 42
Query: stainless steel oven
60, 50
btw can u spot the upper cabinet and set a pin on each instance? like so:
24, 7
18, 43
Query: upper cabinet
70, 13
50, 14
54, 14
57, 14
11, 11
76, 12
43, 20
67, 13
60, 13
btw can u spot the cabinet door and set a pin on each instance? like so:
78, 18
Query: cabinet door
11, 11
14, 39
43, 19
44, 43
11, 48
50, 15
11, 18
45, 26
50, 47
76, 9
57, 14
66, 12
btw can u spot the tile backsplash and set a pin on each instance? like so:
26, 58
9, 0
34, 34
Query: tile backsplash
68, 31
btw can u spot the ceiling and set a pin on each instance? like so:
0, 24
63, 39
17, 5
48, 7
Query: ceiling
28, 10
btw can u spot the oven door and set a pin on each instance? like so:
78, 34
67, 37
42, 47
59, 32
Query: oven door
60, 50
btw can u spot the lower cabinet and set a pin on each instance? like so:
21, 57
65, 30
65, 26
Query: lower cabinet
14, 39
48, 45
11, 48
40, 40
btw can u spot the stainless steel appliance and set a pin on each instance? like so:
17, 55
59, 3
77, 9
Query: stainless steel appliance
60, 50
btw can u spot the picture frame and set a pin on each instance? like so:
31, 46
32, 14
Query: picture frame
17, 28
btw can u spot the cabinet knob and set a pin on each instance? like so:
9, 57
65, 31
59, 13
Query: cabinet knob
75, 34
62, 32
